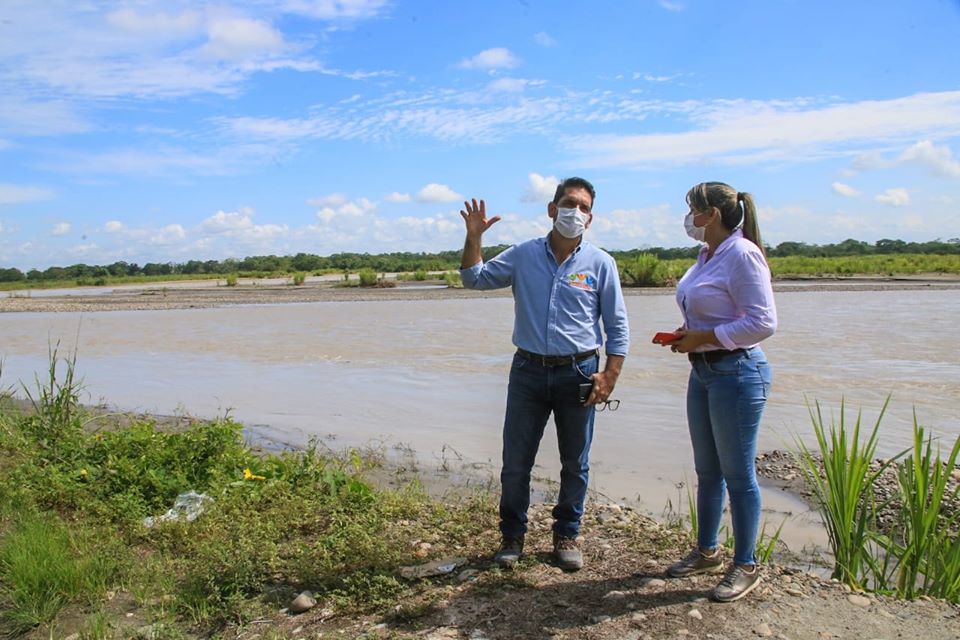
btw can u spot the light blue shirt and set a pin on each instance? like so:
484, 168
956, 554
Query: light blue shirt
558, 308
730, 293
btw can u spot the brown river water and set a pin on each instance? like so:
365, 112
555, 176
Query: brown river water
429, 376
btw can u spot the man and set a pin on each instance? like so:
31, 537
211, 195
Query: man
562, 287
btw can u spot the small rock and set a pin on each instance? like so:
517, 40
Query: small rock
297, 630
615, 594
763, 630
794, 592
683, 632
73, 636
303, 602
599, 619
858, 600
467, 574
653, 582
695, 614
478, 634
638, 617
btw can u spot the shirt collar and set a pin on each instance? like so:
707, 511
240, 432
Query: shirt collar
726, 244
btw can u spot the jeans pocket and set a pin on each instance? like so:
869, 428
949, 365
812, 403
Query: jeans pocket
725, 366
519, 362
766, 377
586, 368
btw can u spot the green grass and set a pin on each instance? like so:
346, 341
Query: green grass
885, 265
46, 564
276, 524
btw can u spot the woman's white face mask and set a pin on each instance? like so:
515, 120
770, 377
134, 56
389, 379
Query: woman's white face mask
570, 223
695, 232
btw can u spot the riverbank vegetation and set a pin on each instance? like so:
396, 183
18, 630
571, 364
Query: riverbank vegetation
78, 495
918, 551
653, 266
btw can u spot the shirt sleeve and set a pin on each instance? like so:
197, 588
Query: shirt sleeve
495, 274
613, 310
752, 293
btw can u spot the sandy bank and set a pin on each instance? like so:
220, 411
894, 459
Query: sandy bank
210, 294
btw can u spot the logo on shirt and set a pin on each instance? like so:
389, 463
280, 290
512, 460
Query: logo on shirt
583, 281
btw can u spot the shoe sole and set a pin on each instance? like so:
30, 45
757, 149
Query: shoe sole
697, 572
739, 595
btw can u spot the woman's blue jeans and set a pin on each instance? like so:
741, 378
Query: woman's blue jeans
533, 393
725, 401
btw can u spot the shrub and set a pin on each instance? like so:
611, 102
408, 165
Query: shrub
368, 278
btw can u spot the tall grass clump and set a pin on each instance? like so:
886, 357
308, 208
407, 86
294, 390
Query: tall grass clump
452, 279
368, 277
842, 483
298, 279
44, 566
926, 543
54, 424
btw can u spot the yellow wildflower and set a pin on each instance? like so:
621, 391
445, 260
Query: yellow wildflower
250, 475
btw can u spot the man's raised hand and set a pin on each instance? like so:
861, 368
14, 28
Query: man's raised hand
475, 215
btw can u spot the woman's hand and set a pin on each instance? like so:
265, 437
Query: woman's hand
691, 340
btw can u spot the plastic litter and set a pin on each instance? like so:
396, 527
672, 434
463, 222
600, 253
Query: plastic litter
188, 506
435, 568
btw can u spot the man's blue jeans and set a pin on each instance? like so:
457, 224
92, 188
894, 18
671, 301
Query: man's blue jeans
533, 393
725, 401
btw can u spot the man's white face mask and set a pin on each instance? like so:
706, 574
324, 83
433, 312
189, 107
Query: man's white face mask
570, 223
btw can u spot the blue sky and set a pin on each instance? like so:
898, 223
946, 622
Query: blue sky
166, 131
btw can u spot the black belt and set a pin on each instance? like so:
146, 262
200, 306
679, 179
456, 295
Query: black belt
713, 356
556, 361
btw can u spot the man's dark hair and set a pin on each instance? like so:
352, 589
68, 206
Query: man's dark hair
575, 182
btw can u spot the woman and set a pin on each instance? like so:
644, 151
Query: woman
727, 303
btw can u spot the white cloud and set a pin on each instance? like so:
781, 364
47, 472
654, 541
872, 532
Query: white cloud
222, 222
741, 131
336, 9
338, 208
649, 77
168, 235
497, 58
396, 196
152, 25
940, 159
239, 226
61, 229
672, 5
241, 39
434, 192
17, 193
540, 188
508, 85
898, 197
844, 190
332, 200
113, 226
544, 40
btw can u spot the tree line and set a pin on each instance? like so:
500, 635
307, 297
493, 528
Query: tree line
441, 261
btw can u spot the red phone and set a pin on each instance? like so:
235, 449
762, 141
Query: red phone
665, 337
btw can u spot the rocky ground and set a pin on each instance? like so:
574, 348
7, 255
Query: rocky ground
622, 593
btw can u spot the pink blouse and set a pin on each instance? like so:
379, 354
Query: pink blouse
731, 294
